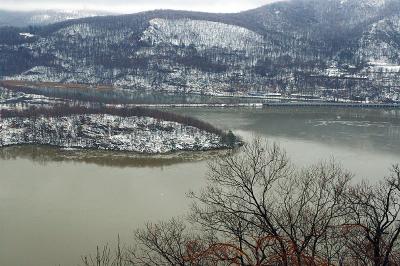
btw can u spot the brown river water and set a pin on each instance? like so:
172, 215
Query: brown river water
58, 205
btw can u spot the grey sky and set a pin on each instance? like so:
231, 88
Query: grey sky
130, 6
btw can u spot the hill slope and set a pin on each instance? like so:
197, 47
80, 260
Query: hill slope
347, 49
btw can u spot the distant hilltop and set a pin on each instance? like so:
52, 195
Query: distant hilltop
338, 49
37, 18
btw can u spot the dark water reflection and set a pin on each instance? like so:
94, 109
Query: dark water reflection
45, 155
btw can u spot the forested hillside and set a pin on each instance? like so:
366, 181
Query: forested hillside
334, 49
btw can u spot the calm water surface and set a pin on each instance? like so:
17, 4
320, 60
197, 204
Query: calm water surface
56, 206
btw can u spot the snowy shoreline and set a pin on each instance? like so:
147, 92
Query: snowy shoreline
142, 135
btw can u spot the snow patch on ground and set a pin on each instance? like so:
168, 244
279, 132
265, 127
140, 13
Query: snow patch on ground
26, 34
107, 132
384, 66
202, 34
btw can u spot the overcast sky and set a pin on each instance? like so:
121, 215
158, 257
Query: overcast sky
130, 6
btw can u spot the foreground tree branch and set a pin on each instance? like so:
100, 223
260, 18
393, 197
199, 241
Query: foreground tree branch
259, 209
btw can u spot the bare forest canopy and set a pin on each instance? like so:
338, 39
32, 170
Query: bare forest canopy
64, 110
332, 50
35, 84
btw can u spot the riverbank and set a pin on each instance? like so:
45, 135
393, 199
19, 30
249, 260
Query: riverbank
138, 130
269, 104
106, 132
46, 92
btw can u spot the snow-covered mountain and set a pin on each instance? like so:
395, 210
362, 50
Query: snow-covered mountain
348, 49
35, 18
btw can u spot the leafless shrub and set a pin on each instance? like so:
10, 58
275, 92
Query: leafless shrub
107, 257
168, 243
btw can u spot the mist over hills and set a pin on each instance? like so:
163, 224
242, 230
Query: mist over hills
339, 49
26, 18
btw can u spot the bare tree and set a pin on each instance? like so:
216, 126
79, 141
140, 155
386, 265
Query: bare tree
373, 228
310, 205
269, 211
259, 209
235, 204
